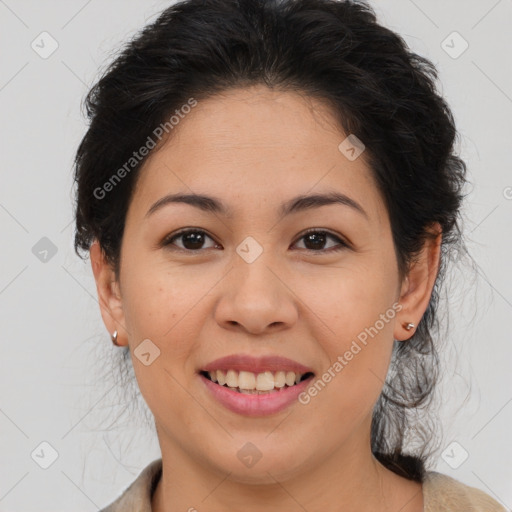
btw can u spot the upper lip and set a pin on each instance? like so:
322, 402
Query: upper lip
245, 362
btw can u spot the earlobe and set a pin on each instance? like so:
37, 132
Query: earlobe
417, 286
109, 297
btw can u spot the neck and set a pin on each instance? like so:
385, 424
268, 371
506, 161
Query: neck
349, 479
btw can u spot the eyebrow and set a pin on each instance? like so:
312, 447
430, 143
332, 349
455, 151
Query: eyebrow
297, 204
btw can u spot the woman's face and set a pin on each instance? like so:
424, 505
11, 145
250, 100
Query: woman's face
248, 282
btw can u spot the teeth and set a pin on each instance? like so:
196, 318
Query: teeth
221, 377
279, 379
265, 381
232, 378
248, 381
290, 378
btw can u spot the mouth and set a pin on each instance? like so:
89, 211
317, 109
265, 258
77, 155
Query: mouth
250, 383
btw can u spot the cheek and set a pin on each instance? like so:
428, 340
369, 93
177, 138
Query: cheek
356, 333
353, 379
351, 298
158, 298
159, 306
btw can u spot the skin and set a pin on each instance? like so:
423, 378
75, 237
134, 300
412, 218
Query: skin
255, 148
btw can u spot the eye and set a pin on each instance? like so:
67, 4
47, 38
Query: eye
316, 239
193, 240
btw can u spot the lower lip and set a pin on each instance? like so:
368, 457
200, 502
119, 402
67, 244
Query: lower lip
256, 405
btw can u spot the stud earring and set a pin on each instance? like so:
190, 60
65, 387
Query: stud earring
114, 339
408, 326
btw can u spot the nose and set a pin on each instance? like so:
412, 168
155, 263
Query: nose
256, 298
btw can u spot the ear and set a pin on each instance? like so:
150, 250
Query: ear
109, 295
417, 286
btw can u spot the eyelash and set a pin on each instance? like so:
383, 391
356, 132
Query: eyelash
168, 241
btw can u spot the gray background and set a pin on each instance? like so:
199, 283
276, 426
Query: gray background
56, 382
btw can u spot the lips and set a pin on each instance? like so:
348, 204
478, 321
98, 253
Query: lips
244, 362
259, 403
255, 386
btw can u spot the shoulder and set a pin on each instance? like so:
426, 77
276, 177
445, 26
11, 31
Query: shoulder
137, 497
442, 492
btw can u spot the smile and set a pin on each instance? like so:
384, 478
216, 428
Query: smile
255, 402
255, 383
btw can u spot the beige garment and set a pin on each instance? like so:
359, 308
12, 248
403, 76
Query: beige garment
441, 493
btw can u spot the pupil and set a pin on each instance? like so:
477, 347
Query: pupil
310, 238
193, 238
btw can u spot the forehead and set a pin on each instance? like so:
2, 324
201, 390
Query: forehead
254, 143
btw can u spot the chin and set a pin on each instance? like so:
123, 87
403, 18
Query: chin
260, 469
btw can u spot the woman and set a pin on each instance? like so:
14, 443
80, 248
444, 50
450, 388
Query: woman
269, 194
